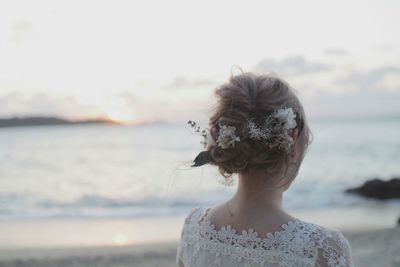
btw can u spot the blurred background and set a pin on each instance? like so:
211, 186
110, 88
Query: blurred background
95, 149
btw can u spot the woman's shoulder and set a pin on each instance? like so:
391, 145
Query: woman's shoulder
320, 232
194, 215
329, 232
335, 248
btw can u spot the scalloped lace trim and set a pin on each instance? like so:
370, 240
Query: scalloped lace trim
296, 244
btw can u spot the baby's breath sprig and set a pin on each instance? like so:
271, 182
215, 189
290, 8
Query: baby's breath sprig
204, 156
198, 129
275, 129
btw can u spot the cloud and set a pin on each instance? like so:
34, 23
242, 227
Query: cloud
16, 103
295, 65
353, 92
383, 78
348, 88
182, 81
336, 52
124, 105
164, 108
368, 103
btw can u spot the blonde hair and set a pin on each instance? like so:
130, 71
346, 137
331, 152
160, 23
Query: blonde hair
251, 95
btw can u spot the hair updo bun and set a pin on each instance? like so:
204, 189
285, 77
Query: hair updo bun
249, 95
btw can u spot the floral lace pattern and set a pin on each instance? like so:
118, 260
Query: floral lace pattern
299, 243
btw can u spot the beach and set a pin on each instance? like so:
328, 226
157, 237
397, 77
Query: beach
379, 247
100, 196
120, 118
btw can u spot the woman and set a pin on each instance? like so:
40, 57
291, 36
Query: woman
258, 131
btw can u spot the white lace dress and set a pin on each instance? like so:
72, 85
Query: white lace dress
299, 243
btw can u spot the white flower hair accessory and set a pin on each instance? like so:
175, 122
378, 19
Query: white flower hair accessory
227, 136
275, 131
287, 117
276, 128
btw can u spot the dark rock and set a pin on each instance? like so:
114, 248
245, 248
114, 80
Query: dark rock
379, 189
398, 221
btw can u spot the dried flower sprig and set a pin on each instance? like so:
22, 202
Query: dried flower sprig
275, 131
198, 129
204, 156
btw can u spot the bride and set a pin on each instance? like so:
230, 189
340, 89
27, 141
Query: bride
258, 131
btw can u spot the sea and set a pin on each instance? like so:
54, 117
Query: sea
112, 171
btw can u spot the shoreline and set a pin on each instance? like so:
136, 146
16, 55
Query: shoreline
75, 232
65, 233
380, 247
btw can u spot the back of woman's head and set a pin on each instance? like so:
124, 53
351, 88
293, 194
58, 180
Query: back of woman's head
253, 96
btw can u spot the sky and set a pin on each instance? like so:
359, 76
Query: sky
137, 61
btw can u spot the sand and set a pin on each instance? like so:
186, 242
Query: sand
380, 248
370, 248
160, 254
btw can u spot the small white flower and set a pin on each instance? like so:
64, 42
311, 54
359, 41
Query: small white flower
287, 116
226, 136
256, 132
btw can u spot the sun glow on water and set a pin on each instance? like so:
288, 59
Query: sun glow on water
121, 116
120, 239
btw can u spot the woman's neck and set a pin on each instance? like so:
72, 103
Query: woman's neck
254, 193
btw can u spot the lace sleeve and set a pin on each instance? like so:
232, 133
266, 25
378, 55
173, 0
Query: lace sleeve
179, 260
334, 250
179, 252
